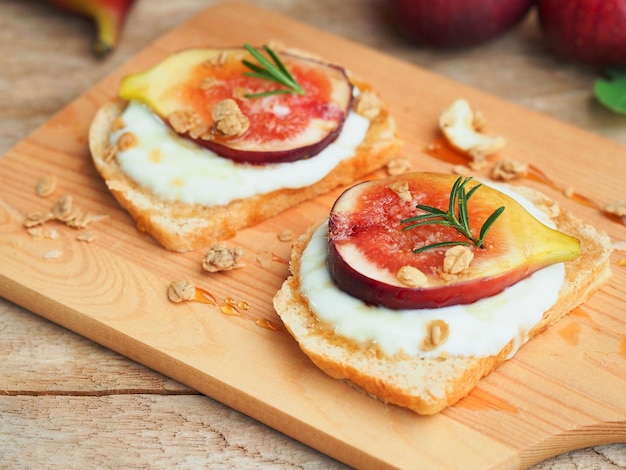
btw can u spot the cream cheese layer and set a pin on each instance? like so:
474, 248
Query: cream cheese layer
176, 169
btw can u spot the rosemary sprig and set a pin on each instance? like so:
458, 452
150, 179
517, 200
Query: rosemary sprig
456, 216
274, 72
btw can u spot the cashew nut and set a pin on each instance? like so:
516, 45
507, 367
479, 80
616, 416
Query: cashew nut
461, 126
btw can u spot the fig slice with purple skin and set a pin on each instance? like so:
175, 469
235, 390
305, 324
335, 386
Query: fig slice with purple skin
282, 127
367, 245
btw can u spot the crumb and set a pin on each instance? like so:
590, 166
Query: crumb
181, 291
46, 186
437, 332
64, 211
36, 232
461, 170
63, 208
88, 237
285, 235
80, 219
398, 166
478, 163
37, 218
265, 258
367, 104
39, 233
507, 170
221, 258
52, 254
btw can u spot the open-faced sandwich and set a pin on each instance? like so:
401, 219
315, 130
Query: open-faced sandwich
419, 285
210, 141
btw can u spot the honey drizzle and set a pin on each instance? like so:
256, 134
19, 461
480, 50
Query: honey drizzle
264, 323
442, 150
535, 174
232, 307
205, 297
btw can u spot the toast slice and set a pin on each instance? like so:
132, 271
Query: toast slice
427, 385
180, 226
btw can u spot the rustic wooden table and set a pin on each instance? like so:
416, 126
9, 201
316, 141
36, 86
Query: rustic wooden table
66, 402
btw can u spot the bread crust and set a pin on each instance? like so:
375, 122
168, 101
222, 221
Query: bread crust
184, 227
428, 385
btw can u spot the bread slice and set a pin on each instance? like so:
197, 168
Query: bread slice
184, 227
428, 385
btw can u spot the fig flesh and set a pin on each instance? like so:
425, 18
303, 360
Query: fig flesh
282, 127
368, 246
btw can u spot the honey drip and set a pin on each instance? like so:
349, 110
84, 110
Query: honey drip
535, 174
205, 297
232, 307
570, 333
264, 323
580, 313
228, 309
278, 259
442, 150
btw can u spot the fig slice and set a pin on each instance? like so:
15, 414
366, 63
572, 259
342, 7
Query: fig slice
367, 246
186, 87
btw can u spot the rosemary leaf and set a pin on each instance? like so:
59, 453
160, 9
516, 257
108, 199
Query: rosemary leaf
457, 217
274, 72
488, 223
429, 222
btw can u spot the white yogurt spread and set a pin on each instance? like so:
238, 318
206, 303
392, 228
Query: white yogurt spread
478, 329
177, 169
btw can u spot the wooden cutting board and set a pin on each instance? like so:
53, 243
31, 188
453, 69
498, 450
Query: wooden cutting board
564, 390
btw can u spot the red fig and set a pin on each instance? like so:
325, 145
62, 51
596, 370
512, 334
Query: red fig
187, 87
370, 252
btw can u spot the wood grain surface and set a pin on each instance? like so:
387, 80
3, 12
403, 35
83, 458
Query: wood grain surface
586, 366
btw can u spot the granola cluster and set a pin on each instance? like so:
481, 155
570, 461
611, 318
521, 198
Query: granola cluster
64, 211
220, 257
181, 291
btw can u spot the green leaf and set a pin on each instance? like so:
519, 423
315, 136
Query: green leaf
612, 93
